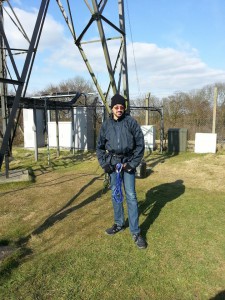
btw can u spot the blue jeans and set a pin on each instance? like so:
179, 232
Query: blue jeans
131, 199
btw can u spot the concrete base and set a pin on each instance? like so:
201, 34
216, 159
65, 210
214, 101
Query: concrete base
15, 176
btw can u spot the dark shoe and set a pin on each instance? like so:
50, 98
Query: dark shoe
114, 229
139, 241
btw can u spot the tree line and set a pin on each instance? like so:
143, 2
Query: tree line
192, 110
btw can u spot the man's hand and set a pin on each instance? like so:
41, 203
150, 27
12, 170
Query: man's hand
127, 168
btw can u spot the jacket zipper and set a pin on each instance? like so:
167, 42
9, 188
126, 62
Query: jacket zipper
118, 135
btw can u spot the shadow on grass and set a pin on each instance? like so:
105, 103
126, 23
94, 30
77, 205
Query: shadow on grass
156, 199
219, 296
21, 249
10, 257
42, 166
65, 210
63, 161
52, 182
154, 160
12, 261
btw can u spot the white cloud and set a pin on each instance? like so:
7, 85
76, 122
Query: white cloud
164, 70
52, 34
161, 71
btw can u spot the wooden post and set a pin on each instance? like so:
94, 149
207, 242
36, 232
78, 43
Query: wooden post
147, 110
214, 110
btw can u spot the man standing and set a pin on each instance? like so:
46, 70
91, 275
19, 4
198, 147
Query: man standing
121, 143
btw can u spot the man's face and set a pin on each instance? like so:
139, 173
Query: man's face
118, 111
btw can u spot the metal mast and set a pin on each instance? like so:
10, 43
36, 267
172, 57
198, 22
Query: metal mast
96, 10
22, 79
2, 75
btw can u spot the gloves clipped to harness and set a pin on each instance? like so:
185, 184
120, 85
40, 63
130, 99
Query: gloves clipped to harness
108, 169
127, 168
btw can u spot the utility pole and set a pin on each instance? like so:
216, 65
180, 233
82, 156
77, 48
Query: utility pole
147, 110
214, 109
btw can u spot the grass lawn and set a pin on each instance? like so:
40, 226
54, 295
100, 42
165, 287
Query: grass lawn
54, 227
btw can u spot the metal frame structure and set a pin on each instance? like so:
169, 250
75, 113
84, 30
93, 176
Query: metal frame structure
96, 9
21, 80
11, 111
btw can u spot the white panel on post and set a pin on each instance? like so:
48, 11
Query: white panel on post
65, 134
84, 128
80, 128
29, 126
149, 136
52, 134
205, 142
83, 131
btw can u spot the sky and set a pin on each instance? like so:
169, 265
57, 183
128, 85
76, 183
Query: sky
172, 46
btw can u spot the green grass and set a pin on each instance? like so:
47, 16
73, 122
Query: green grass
56, 226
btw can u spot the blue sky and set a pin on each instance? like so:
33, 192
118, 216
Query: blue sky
175, 45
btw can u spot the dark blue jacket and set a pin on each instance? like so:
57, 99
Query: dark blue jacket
120, 140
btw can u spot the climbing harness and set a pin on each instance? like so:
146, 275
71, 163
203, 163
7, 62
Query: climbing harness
117, 193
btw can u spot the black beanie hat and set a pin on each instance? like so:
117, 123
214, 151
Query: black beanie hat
118, 99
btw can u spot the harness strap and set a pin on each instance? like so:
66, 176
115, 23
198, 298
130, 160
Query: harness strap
117, 193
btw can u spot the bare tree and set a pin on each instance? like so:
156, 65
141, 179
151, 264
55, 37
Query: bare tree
76, 84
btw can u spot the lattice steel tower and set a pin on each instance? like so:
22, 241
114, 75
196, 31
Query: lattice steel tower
117, 71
